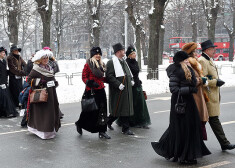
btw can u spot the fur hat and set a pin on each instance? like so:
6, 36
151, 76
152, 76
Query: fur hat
180, 56
40, 54
13, 48
117, 47
129, 50
189, 47
3, 49
95, 50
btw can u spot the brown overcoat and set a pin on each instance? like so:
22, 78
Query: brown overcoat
44, 116
199, 96
16, 65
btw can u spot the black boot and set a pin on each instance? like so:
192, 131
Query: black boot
128, 132
110, 126
104, 135
79, 129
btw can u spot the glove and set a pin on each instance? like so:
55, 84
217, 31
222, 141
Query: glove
121, 87
203, 80
56, 84
193, 89
132, 83
220, 82
209, 77
92, 83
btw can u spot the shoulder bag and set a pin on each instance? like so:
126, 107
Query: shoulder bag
88, 101
180, 105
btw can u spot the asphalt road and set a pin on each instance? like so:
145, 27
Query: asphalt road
21, 149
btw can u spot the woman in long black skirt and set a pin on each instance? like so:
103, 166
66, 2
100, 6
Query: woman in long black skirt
183, 140
93, 76
7, 108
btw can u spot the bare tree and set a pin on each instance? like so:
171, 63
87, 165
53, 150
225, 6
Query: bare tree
94, 13
211, 10
45, 11
155, 19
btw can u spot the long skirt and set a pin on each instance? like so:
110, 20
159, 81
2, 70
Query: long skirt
15, 86
141, 115
95, 121
7, 107
183, 138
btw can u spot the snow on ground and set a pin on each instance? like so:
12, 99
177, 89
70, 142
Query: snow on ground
70, 93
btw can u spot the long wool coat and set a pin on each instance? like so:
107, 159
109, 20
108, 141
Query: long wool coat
44, 116
125, 105
209, 68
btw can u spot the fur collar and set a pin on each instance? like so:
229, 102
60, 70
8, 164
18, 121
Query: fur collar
196, 66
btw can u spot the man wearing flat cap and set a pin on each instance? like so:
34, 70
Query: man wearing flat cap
16, 71
210, 71
119, 77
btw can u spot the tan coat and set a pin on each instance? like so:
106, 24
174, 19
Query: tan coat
209, 68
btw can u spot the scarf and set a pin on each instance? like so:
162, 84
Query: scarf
118, 67
97, 68
43, 71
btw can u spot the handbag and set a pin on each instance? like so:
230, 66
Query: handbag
39, 96
180, 106
145, 95
88, 101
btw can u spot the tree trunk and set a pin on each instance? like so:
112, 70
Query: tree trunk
161, 45
138, 47
45, 11
231, 49
13, 23
155, 20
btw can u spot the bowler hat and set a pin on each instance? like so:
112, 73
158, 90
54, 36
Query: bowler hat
189, 47
129, 50
3, 49
180, 56
207, 44
95, 50
117, 47
13, 48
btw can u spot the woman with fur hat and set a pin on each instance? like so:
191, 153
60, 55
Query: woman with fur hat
200, 97
43, 118
7, 107
141, 118
183, 139
93, 77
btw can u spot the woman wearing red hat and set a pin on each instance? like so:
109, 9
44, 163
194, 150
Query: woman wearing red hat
93, 76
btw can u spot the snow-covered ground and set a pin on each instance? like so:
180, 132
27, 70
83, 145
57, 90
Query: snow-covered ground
68, 93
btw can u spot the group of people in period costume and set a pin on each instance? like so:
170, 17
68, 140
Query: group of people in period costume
195, 82
126, 100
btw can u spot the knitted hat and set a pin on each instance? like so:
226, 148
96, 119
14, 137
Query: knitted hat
180, 56
129, 50
3, 49
95, 50
40, 54
189, 47
117, 47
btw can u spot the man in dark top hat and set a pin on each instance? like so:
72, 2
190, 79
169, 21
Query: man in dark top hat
214, 83
120, 81
16, 71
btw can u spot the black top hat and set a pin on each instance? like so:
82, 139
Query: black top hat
3, 49
13, 48
180, 56
207, 44
95, 50
129, 50
117, 47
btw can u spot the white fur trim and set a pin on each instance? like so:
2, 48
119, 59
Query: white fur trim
41, 53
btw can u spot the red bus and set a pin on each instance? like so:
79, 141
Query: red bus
222, 49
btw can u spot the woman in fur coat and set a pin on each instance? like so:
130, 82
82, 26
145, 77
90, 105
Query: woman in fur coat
93, 77
7, 107
200, 97
182, 141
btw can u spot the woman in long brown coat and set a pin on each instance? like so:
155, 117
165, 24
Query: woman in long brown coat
200, 97
44, 120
